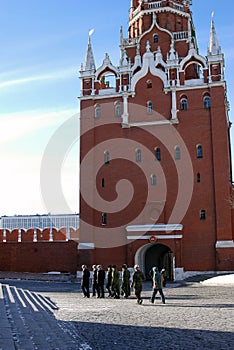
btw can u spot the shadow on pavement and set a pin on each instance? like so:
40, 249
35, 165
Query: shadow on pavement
121, 337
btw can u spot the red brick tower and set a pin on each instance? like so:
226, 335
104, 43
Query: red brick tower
155, 151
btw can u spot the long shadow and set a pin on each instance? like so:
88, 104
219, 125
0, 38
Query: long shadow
43, 286
121, 337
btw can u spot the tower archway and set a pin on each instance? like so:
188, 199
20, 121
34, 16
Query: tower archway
156, 254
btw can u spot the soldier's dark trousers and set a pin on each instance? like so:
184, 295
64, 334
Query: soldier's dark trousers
154, 295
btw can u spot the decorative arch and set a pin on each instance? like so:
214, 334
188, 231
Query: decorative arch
194, 57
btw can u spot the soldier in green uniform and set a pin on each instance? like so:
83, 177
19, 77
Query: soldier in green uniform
137, 279
125, 286
157, 284
115, 283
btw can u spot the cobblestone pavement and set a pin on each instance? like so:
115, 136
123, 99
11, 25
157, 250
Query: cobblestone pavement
194, 317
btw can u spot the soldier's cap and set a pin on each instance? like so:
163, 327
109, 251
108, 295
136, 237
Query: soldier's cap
124, 266
136, 266
109, 266
99, 266
94, 266
114, 266
84, 266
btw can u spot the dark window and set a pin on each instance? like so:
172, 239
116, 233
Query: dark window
149, 107
202, 215
97, 111
155, 38
138, 155
158, 153
106, 157
207, 102
117, 110
199, 151
103, 183
177, 153
184, 104
104, 219
198, 177
149, 84
153, 180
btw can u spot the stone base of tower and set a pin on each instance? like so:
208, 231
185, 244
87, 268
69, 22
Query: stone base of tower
225, 259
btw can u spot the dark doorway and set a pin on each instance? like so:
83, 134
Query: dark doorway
161, 256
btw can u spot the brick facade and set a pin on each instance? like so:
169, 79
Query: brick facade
166, 160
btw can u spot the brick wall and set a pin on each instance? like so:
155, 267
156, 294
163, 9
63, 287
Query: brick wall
39, 257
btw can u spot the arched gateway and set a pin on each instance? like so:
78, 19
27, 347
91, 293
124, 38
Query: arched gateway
156, 255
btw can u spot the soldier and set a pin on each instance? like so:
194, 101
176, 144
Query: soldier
95, 285
85, 281
157, 284
137, 279
125, 287
100, 281
109, 279
115, 283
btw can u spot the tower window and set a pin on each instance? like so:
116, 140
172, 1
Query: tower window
184, 104
103, 182
149, 84
138, 155
155, 38
198, 177
104, 219
149, 107
202, 215
153, 180
158, 153
177, 153
106, 157
206, 102
199, 151
117, 110
97, 111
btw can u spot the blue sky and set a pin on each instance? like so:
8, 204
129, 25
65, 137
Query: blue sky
43, 44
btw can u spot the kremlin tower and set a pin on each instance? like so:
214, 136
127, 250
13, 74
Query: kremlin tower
155, 168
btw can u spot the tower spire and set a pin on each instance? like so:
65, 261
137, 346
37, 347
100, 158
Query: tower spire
214, 48
89, 63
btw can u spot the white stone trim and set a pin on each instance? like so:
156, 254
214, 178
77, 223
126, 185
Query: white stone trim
157, 227
224, 244
84, 246
192, 53
157, 237
159, 122
158, 10
148, 65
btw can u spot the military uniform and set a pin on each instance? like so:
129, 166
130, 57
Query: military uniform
85, 281
157, 284
137, 279
125, 287
115, 283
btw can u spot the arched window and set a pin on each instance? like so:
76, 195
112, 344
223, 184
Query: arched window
149, 84
184, 104
158, 153
138, 155
206, 101
117, 110
104, 219
199, 151
202, 215
149, 107
153, 180
97, 111
177, 153
106, 157
155, 38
